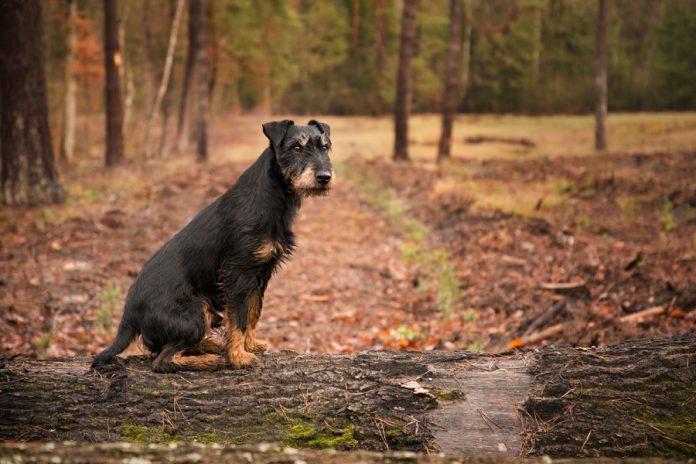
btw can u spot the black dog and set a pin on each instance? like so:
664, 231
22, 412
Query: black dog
214, 272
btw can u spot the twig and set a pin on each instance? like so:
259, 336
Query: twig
546, 333
488, 419
644, 314
586, 439
562, 285
546, 316
665, 435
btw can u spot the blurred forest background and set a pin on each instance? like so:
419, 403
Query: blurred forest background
527, 234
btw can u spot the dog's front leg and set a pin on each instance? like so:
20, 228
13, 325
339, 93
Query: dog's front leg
251, 344
235, 323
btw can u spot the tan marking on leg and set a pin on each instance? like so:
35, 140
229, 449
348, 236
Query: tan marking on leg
207, 317
253, 314
204, 362
234, 345
213, 344
267, 250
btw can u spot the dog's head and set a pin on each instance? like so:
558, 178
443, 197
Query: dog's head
302, 153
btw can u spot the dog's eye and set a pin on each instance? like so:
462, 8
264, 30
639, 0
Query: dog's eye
297, 148
325, 146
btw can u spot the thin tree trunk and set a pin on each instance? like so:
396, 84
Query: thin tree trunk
633, 399
28, 174
166, 73
354, 27
70, 109
185, 102
450, 99
202, 83
166, 138
148, 60
380, 38
536, 51
466, 47
114, 105
404, 85
601, 78
125, 73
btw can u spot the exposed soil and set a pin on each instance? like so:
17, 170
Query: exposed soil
65, 270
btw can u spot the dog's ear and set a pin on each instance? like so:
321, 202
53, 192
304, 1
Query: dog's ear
275, 131
323, 127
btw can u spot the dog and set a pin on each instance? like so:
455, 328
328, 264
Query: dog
197, 301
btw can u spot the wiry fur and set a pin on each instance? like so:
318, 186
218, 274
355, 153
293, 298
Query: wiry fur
214, 272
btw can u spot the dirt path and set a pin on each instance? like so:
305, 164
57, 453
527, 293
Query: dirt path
66, 269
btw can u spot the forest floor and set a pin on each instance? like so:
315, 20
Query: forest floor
525, 237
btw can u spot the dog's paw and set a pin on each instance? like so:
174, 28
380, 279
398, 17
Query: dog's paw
258, 347
242, 359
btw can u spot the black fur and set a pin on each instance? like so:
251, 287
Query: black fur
210, 263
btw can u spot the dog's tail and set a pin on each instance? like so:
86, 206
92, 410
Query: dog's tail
126, 334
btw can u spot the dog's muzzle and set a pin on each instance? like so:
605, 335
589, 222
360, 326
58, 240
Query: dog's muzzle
323, 177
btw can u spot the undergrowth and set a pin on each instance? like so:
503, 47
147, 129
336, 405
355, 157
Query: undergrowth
438, 273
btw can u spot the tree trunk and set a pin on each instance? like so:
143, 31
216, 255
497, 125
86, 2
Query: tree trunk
28, 174
70, 109
380, 39
166, 73
404, 84
601, 78
466, 52
114, 105
265, 453
165, 141
632, 399
185, 103
202, 82
148, 60
354, 27
536, 51
450, 98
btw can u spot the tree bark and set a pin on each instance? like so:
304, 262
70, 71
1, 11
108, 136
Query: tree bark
165, 142
70, 108
164, 84
601, 78
148, 60
536, 51
28, 174
404, 84
202, 81
380, 39
631, 399
450, 98
114, 105
184, 103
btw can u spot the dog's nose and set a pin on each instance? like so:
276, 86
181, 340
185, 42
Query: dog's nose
323, 177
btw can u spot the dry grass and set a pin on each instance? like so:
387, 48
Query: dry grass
240, 138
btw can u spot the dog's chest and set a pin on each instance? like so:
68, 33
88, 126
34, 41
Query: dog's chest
271, 251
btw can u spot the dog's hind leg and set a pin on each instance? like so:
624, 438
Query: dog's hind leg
171, 359
251, 344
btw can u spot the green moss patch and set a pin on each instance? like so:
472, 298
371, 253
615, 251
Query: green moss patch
449, 395
143, 434
301, 433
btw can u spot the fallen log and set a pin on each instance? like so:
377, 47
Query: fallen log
265, 453
633, 399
